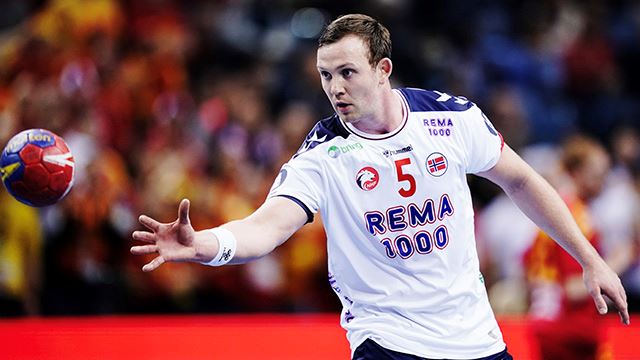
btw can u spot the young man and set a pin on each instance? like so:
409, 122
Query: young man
388, 174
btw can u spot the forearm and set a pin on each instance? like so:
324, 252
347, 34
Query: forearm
254, 240
256, 235
542, 204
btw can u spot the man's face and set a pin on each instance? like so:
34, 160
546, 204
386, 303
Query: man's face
350, 82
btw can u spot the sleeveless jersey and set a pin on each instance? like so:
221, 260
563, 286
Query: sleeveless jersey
399, 222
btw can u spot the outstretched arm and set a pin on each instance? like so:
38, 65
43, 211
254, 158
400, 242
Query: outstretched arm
542, 204
257, 235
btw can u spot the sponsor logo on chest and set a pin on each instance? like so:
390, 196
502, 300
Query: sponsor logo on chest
438, 126
334, 151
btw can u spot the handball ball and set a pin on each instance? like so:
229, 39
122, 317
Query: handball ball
37, 167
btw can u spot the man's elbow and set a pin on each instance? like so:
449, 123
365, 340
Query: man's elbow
516, 184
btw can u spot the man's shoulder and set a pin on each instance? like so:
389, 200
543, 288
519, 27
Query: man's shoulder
433, 100
324, 131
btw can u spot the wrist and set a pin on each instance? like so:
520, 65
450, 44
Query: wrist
205, 245
224, 243
589, 258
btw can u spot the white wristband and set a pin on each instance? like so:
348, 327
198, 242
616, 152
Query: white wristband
226, 247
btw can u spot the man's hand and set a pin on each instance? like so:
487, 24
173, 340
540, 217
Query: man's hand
175, 241
601, 280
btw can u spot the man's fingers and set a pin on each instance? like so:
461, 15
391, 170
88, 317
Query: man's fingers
144, 236
623, 310
153, 264
601, 305
149, 223
620, 303
183, 212
144, 249
624, 316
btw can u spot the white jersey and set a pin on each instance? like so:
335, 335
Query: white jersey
399, 222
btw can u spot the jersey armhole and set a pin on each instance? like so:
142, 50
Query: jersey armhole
302, 205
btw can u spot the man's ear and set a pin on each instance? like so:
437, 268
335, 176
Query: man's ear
384, 69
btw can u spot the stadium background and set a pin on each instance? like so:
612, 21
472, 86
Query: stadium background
165, 99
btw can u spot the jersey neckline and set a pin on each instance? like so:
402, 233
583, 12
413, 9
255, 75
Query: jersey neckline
405, 107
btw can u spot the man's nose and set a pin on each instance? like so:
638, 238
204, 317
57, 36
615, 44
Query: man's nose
337, 87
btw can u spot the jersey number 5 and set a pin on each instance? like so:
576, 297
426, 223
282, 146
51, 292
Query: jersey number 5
405, 177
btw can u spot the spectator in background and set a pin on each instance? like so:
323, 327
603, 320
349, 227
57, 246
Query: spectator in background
21, 235
592, 73
566, 324
21, 246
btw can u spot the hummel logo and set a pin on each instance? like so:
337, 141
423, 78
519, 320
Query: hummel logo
226, 254
405, 149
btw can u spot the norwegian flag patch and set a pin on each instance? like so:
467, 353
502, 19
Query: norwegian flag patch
437, 164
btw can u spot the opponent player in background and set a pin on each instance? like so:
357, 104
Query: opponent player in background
388, 174
563, 320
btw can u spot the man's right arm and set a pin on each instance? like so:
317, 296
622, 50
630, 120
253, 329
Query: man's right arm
256, 235
267, 228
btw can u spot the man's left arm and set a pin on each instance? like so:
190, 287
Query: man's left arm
542, 204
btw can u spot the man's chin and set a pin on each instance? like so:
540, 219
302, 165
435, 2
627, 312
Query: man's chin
348, 118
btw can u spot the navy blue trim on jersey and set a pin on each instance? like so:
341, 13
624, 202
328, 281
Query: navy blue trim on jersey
323, 131
370, 350
427, 100
302, 205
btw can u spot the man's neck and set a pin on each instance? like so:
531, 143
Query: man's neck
387, 119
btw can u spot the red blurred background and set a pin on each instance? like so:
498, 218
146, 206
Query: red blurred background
237, 337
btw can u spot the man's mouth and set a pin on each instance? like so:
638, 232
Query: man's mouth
342, 106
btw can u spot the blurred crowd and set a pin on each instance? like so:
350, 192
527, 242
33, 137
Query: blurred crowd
164, 99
